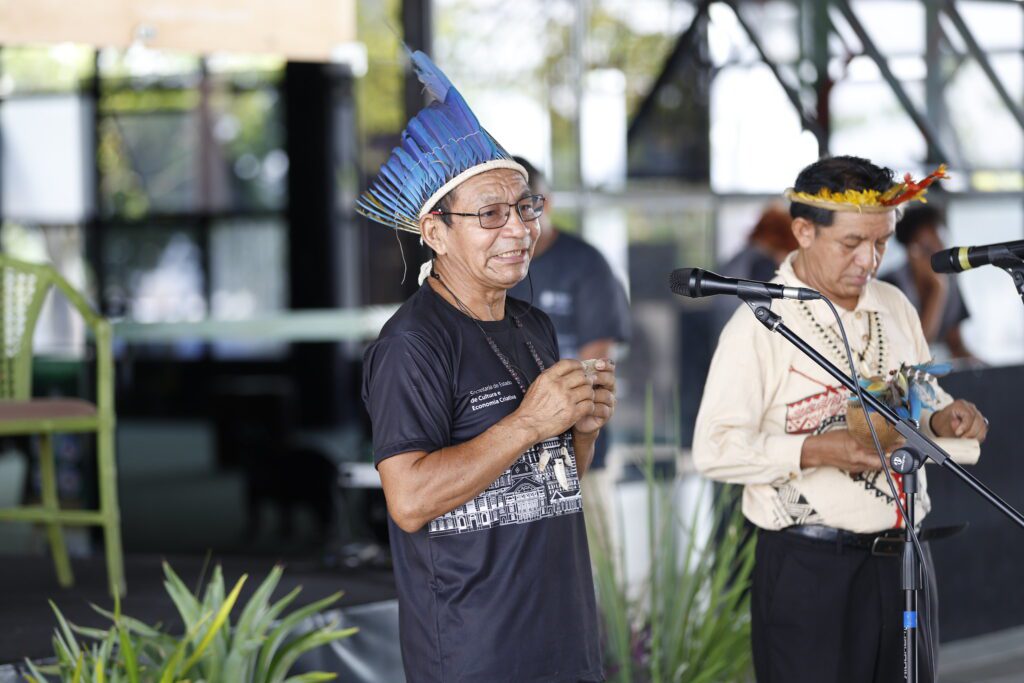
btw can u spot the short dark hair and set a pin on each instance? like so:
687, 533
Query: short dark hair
838, 174
915, 219
536, 180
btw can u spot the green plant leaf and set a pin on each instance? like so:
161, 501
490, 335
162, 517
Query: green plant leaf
312, 677
187, 605
133, 625
68, 637
131, 662
265, 621
169, 672
94, 633
276, 637
211, 650
258, 604
36, 676
218, 621
291, 652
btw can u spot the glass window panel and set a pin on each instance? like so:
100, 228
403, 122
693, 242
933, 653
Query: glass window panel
55, 68
142, 63
755, 148
649, 16
995, 330
868, 121
896, 27
149, 163
223, 62
45, 148
154, 274
727, 40
248, 264
666, 231
669, 232
378, 96
986, 131
734, 219
777, 26
995, 25
248, 133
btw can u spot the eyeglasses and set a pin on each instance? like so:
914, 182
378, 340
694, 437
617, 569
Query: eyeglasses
495, 216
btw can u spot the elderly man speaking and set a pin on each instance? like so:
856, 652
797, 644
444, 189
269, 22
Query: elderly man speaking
826, 602
480, 432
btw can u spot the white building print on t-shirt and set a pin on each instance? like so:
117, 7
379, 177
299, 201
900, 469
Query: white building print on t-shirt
522, 494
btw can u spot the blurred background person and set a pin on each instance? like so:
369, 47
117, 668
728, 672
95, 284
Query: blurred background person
572, 282
767, 246
936, 297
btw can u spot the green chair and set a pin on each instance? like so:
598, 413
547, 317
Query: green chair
23, 290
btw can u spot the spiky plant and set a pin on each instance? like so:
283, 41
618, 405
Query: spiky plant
689, 622
260, 647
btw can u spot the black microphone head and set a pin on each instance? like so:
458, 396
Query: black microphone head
945, 261
685, 281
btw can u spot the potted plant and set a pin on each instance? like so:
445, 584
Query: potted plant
259, 647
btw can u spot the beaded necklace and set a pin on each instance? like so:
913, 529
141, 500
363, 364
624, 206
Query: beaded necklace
561, 454
834, 342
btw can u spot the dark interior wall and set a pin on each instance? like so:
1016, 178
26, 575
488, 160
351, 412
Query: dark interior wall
979, 571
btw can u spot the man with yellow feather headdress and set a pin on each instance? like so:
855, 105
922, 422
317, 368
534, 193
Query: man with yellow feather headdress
826, 602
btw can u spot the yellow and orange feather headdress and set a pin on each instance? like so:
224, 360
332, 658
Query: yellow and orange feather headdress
869, 201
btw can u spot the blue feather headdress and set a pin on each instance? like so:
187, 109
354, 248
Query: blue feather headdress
442, 146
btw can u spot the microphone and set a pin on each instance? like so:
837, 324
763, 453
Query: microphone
695, 283
959, 259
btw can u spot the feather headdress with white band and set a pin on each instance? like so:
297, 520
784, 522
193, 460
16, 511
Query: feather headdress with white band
441, 147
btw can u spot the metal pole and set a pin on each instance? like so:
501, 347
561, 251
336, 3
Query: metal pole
809, 123
934, 83
931, 136
979, 55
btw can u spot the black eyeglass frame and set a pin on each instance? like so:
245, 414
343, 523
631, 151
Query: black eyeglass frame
517, 204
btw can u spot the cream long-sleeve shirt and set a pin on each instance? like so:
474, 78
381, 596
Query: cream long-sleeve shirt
763, 397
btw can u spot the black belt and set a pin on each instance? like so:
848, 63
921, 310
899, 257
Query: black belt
888, 542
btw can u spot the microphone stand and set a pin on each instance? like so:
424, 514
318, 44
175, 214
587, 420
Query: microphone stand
1001, 257
1016, 271
905, 460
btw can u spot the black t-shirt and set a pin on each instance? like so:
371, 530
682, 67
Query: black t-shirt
499, 589
574, 285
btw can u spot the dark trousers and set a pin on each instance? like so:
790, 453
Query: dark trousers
826, 613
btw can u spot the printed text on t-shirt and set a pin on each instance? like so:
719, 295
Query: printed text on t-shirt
492, 395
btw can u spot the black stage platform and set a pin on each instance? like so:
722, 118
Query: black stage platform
27, 583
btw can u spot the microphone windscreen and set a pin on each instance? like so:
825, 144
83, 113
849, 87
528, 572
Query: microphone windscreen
945, 262
679, 281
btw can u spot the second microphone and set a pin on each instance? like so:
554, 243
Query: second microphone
696, 283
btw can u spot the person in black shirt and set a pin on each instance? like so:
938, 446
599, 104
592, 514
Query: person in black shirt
480, 433
572, 282
936, 297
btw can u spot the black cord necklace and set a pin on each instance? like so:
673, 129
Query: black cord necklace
561, 454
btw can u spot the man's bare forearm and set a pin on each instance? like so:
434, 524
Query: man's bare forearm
422, 486
583, 445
